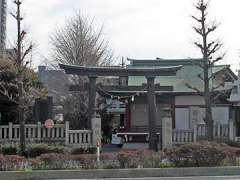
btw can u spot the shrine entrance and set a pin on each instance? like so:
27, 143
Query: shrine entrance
149, 73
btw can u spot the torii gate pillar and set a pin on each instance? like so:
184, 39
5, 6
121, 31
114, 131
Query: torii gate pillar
152, 113
91, 99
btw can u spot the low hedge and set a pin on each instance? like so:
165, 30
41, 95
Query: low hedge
55, 157
91, 150
35, 150
32, 150
9, 149
200, 154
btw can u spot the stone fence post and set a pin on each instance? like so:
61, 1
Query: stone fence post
195, 132
96, 131
218, 129
39, 126
167, 130
66, 132
194, 119
231, 130
10, 126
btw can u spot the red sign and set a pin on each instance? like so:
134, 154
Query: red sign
49, 124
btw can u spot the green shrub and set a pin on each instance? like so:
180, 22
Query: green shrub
35, 150
57, 149
91, 150
9, 149
199, 154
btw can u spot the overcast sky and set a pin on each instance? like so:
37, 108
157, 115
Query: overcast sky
135, 28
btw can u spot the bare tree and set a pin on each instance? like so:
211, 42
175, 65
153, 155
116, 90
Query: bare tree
20, 90
80, 43
209, 48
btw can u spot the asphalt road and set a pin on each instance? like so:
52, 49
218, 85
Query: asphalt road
175, 178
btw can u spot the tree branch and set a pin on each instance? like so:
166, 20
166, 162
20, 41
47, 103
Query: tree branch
193, 88
211, 29
218, 86
198, 20
216, 46
217, 59
200, 77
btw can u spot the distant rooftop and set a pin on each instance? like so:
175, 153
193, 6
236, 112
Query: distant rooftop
162, 62
187, 74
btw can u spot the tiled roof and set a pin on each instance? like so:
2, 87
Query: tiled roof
187, 74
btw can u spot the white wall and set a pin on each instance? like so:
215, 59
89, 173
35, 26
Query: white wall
182, 116
221, 114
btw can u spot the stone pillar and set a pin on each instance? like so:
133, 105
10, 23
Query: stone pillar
167, 129
10, 132
218, 129
195, 132
39, 126
152, 113
66, 133
194, 116
231, 130
91, 99
96, 131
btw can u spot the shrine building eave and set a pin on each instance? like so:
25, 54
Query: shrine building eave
118, 71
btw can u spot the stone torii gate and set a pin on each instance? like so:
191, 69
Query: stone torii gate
149, 73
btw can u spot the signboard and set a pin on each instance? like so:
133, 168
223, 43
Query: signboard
49, 124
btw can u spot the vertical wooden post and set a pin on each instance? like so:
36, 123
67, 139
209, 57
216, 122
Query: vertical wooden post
66, 133
91, 99
10, 130
152, 113
39, 131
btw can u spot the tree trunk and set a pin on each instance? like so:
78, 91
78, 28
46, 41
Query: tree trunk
207, 93
208, 116
21, 118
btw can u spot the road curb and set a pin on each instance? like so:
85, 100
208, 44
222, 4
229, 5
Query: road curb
120, 173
